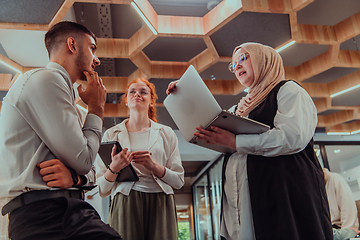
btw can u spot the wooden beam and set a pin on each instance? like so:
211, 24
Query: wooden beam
225, 59
297, 5
317, 64
11, 63
316, 34
172, 70
116, 110
293, 26
178, 26
115, 84
60, 14
220, 15
335, 118
210, 45
322, 104
290, 73
5, 81
268, 6
140, 40
316, 90
148, 11
203, 60
345, 127
137, 74
348, 59
345, 82
14, 78
112, 48
348, 28
142, 62
119, 110
221, 87
24, 26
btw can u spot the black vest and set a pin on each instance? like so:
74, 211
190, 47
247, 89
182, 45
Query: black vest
287, 192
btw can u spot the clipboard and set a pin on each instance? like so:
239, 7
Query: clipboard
233, 123
128, 173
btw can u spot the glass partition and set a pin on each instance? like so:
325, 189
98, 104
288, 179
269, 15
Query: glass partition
203, 228
215, 196
207, 191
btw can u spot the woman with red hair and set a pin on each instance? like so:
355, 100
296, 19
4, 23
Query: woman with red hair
144, 209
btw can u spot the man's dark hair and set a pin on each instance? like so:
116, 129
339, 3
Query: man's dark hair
63, 30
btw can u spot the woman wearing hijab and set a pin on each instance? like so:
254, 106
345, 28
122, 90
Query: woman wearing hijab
144, 209
273, 184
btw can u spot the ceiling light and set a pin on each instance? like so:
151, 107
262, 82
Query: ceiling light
344, 91
355, 132
337, 151
137, 9
338, 133
285, 46
15, 69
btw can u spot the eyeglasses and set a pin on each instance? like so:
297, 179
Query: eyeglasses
132, 92
242, 59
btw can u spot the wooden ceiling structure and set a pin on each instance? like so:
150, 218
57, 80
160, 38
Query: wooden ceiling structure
345, 119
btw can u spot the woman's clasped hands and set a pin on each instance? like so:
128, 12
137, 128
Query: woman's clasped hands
124, 157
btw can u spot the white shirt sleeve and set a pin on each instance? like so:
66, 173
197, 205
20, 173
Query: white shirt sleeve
47, 106
295, 122
174, 171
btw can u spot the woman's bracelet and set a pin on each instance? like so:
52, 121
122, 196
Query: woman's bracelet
112, 170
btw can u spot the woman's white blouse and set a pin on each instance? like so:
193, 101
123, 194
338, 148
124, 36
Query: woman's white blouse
163, 145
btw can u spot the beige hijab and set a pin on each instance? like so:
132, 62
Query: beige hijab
268, 72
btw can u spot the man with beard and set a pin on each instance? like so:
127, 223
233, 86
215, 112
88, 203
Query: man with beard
46, 149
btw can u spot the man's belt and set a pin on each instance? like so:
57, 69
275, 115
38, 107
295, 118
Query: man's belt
38, 195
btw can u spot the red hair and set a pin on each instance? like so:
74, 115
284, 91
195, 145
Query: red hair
153, 95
